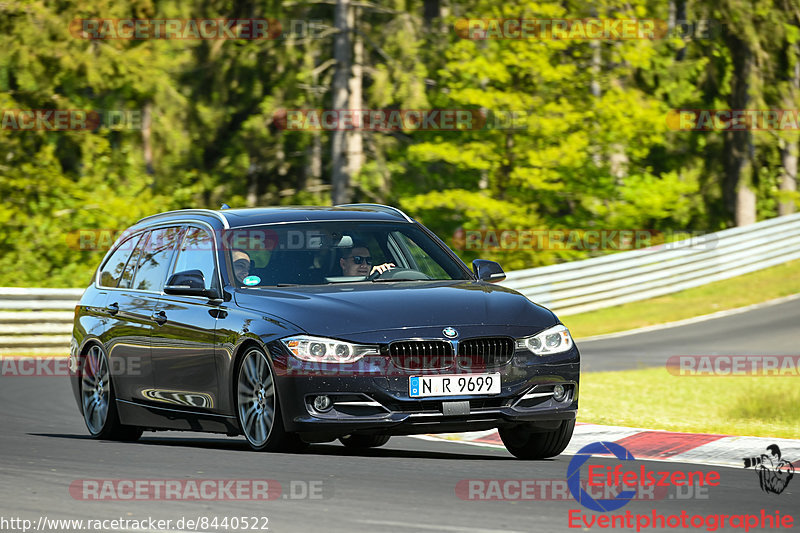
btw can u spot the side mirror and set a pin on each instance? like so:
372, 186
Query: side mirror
189, 283
488, 270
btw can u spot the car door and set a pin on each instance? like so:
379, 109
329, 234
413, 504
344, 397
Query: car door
183, 338
127, 335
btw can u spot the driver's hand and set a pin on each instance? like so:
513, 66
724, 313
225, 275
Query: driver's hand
380, 269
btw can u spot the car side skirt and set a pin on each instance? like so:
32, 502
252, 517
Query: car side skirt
150, 417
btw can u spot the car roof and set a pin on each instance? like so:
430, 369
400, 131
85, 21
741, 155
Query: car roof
235, 218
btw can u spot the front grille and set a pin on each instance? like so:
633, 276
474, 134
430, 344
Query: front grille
485, 352
418, 355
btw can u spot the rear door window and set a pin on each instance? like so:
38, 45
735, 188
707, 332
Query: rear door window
156, 257
197, 253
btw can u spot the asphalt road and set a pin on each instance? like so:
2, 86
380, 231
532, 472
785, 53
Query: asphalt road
769, 330
408, 485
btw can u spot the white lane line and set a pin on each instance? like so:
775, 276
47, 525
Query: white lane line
694, 320
432, 527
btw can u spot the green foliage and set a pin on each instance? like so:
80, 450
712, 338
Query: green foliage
590, 148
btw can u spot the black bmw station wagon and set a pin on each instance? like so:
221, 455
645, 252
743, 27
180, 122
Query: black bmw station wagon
296, 325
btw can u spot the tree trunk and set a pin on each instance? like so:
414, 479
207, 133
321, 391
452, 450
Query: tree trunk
147, 146
251, 200
354, 138
677, 15
789, 147
340, 179
738, 148
745, 206
788, 176
315, 160
431, 11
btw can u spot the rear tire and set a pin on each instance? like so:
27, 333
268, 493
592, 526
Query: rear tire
98, 401
527, 442
364, 441
257, 406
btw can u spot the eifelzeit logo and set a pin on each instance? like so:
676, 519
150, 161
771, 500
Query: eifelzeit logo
773, 472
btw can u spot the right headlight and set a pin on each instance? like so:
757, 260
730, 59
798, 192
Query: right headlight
552, 340
323, 350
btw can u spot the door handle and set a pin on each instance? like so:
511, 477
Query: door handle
218, 313
113, 309
159, 318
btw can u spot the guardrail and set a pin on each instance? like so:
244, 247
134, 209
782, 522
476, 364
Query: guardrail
40, 320
36, 320
624, 277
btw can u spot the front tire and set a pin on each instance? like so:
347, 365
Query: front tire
364, 441
525, 441
258, 408
98, 401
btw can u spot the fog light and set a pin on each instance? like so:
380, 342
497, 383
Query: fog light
559, 393
322, 404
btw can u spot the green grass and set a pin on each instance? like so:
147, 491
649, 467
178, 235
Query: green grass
655, 399
756, 287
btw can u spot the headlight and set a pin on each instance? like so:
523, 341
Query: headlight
322, 350
552, 340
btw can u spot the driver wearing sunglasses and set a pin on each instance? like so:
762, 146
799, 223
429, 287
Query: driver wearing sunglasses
358, 262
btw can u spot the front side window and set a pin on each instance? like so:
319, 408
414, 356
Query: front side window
155, 258
197, 253
113, 269
422, 261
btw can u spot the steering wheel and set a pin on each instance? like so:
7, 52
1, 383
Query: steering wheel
396, 272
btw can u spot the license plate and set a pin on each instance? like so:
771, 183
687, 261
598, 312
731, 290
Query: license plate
453, 385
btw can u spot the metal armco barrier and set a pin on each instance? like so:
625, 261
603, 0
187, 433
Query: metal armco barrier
40, 320
615, 279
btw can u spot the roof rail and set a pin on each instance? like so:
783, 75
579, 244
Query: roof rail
211, 212
384, 208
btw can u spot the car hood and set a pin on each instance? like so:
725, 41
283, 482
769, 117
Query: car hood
352, 308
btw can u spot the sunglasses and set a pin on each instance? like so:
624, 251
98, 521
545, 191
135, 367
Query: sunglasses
358, 259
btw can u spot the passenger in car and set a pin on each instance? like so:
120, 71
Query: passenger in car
357, 260
241, 265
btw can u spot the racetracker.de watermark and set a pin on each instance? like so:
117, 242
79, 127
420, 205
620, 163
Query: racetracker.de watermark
97, 239
69, 119
60, 366
598, 29
460, 366
734, 365
733, 119
197, 490
399, 119
558, 490
189, 29
496, 239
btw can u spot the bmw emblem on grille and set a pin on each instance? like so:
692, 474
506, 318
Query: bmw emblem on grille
450, 333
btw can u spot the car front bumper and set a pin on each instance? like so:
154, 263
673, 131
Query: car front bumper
374, 398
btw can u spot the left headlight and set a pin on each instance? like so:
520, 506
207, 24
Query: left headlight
322, 350
552, 340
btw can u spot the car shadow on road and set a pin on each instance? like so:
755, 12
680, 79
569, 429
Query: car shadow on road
332, 449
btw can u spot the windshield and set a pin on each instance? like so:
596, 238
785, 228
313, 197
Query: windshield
336, 252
